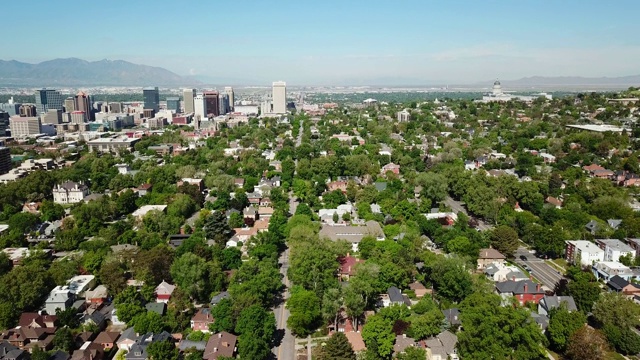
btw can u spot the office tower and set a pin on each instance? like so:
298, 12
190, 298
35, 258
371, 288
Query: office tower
151, 98
199, 107
279, 97
83, 103
53, 116
188, 95
78, 117
211, 102
70, 104
229, 91
27, 110
173, 104
97, 106
5, 160
223, 103
24, 126
148, 113
48, 99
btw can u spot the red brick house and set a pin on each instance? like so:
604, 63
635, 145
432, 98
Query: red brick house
390, 167
347, 266
107, 339
524, 291
201, 320
337, 185
164, 291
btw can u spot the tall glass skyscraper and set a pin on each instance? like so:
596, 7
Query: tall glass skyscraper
151, 98
48, 99
173, 103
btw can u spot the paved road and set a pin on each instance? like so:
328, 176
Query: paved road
540, 270
458, 206
299, 139
293, 204
286, 350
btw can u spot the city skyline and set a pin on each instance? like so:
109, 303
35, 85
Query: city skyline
342, 42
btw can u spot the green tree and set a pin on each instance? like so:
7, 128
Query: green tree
256, 327
217, 229
562, 325
305, 316
50, 211
412, 353
68, 318
338, 348
148, 322
63, 340
163, 350
378, 334
223, 313
331, 306
585, 293
38, 354
504, 239
236, 220
190, 273
615, 309
427, 325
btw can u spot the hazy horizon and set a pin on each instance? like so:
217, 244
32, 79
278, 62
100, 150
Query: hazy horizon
339, 42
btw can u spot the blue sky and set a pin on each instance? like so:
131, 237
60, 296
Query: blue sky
336, 42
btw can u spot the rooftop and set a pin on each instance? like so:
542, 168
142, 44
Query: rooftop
585, 246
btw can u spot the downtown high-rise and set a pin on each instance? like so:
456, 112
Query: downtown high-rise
151, 98
188, 96
279, 97
48, 99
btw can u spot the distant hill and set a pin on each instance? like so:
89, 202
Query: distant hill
77, 72
573, 81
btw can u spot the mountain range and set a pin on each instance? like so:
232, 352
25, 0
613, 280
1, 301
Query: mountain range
78, 72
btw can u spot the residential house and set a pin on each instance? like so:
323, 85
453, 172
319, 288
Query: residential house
501, 272
337, 185
250, 214
352, 233
442, 347
107, 339
70, 192
199, 183
489, 256
380, 185
394, 168
592, 227
221, 344
524, 291
452, 317
32, 207
186, 344
163, 292
393, 296
608, 269
583, 253
614, 249
419, 289
59, 298
127, 339
219, 297
375, 209
265, 212
143, 189
238, 182
557, 203
159, 308
621, 285
347, 266
402, 343
140, 213
35, 320
614, 223
547, 303
254, 198
201, 320
90, 351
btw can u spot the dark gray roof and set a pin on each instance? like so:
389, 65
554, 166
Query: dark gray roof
129, 333
395, 295
216, 299
552, 302
491, 269
617, 283
5, 347
541, 320
381, 186
60, 355
159, 308
452, 316
592, 225
518, 287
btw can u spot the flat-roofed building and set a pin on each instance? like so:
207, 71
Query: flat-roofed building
24, 126
5, 160
112, 144
583, 253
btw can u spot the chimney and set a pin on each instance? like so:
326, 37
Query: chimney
513, 278
215, 349
525, 287
220, 336
538, 287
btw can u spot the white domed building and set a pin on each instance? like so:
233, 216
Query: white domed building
498, 95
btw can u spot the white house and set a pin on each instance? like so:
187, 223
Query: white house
614, 249
70, 193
